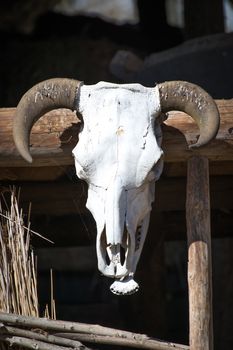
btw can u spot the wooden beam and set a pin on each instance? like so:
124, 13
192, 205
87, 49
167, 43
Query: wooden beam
52, 139
199, 255
55, 134
180, 129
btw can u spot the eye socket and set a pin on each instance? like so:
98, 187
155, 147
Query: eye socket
80, 171
80, 119
138, 236
156, 170
151, 175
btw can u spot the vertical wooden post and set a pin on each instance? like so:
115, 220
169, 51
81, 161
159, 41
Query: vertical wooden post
199, 255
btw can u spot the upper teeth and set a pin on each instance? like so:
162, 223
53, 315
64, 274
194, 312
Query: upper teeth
114, 253
116, 259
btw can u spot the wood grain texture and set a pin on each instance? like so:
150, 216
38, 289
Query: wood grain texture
199, 255
55, 135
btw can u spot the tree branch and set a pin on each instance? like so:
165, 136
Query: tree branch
41, 336
139, 341
30, 343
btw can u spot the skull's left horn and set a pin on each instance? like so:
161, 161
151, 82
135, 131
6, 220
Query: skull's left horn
40, 99
193, 100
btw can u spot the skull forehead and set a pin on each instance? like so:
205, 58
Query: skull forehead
118, 138
105, 97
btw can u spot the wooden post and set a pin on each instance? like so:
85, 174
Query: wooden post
199, 255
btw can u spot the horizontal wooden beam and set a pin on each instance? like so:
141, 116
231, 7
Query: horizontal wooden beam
55, 134
52, 139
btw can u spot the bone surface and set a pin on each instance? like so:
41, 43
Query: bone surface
126, 286
119, 156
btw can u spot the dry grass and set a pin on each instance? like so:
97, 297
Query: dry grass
18, 282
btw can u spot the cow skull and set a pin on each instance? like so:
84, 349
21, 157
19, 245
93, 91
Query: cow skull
119, 155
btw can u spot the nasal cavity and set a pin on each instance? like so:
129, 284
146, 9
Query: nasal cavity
115, 253
104, 247
122, 255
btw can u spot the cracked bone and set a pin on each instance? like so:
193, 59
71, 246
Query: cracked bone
119, 157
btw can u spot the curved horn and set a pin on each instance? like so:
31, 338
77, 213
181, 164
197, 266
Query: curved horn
193, 100
40, 99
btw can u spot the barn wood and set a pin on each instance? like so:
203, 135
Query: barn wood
199, 255
51, 146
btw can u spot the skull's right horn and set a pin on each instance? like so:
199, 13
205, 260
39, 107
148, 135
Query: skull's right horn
193, 100
40, 99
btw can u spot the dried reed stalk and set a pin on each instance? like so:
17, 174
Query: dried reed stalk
18, 283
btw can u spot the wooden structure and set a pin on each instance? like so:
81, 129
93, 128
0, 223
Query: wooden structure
54, 136
199, 254
52, 140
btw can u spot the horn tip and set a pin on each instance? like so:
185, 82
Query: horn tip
27, 157
194, 145
197, 145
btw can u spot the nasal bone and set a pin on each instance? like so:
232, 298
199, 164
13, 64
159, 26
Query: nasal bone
115, 212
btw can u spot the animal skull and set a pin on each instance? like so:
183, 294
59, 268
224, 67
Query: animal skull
119, 155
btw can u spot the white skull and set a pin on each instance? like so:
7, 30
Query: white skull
119, 156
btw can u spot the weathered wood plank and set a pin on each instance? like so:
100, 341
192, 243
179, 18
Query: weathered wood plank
52, 139
180, 127
199, 255
55, 134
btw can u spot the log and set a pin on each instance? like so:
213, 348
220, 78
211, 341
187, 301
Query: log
199, 255
55, 134
137, 342
95, 333
9, 333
